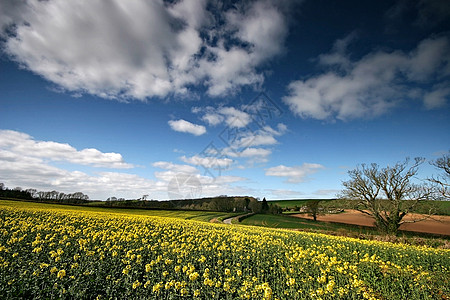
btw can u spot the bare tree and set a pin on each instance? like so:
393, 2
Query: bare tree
387, 194
313, 208
32, 192
442, 180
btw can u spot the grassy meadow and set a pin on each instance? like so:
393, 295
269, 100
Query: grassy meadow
439, 207
51, 251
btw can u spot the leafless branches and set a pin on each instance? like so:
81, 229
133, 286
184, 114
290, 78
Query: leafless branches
442, 181
387, 194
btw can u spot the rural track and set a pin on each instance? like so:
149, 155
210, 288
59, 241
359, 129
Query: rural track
228, 221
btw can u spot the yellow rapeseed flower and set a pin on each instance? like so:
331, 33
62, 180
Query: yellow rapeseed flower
61, 274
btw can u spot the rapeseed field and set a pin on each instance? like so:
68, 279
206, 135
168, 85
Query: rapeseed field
62, 253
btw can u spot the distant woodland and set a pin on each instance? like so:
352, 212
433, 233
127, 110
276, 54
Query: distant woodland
220, 203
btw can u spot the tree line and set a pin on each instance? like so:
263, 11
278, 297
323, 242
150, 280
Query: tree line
219, 203
48, 196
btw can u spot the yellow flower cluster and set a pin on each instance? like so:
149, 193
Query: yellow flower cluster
52, 253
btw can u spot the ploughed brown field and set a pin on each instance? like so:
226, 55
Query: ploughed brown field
436, 225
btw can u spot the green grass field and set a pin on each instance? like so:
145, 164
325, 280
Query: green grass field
294, 202
440, 207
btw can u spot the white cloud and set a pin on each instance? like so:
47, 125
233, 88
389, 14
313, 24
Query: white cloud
255, 152
437, 97
14, 11
208, 161
242, 140
235, 118
260, 25
257, 140
243, 124
209, 186
143, 48
20, 168
18, 143
175, 167
213, 119
26, 163
255, 155
281, 129
337, 56
185, 126
27, 171
374, 84
260, 137
430, 56
294, 174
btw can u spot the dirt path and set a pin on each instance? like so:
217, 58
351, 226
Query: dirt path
228, 221
437, 225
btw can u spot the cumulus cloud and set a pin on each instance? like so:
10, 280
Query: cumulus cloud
235, 118
374, 84
253, 155
437, 97
244, 136
294, 174
213, 119
28, 166
208, 162
27, 163
18, 143
231, 116
247, 131
175, 167
102, 185
281, 129
251, 145
260, 137
209, 186
255, 152
144, 49
185, 126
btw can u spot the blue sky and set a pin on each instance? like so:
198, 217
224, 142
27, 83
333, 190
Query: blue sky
275, 99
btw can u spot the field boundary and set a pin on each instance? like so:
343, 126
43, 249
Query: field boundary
418, 233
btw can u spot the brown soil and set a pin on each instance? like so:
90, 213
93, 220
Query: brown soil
436, 225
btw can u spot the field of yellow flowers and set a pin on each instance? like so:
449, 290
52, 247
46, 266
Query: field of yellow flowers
63, 253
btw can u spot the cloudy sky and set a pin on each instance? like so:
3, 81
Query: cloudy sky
269, 98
